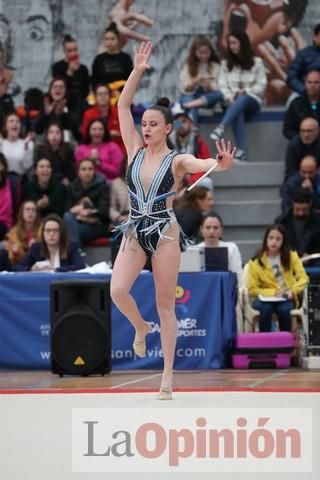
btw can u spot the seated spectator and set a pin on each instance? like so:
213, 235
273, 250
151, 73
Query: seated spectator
54, 253
302, 224
5, 265
119, 208
18, 153
306, 105
55, 109
199, 77
6, 208
29, 111
305, 60
307, 143
102, 150
6, 107
190, 209
59, 152
185, 139
105, 112
308, 177
113, 65
45, 190
242, 80
25, 232
89, 200
75, 73
276, 271
212, 232
119, 198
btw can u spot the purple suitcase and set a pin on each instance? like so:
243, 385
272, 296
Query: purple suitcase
263, 350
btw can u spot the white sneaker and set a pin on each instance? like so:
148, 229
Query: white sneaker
240, 157
217, 133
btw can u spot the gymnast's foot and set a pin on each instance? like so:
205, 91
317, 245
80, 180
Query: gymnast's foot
139, 343
165, 392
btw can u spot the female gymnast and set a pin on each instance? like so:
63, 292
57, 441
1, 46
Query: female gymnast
154, 172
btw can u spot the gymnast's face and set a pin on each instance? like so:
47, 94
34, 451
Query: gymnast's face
154, 127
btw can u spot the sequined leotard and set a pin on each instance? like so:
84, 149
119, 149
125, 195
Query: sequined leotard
149, 217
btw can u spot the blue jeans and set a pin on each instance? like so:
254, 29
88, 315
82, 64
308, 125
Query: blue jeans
243, 107
281, 309
83, 233
210, 99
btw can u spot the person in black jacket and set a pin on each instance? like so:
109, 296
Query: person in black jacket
75, 73
54, 252
59, 152
5, 264
308, 177
89, 201
306, 143
48, 193
306, 60
112, 65
306, 105
302, 224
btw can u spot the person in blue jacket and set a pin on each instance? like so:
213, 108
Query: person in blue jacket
54, 253
306, 60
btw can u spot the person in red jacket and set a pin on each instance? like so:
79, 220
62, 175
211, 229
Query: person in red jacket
185, 139
104, 111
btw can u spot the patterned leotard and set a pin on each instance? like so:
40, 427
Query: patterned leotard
149, 217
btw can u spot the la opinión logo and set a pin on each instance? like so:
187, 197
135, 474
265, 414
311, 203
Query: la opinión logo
184, 440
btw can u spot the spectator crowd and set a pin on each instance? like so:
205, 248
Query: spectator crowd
63, 162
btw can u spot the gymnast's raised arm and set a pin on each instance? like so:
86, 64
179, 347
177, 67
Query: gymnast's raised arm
131, 138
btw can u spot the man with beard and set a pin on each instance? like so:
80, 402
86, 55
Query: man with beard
302, 224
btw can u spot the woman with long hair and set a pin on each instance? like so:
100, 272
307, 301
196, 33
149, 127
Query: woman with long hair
54, 252
190, 209
199, 77
242, 80
56, 108
104, 110
45, 190
18, 152
154, 172
88, 204
59, 152
101, 149
25, 232
276, 272
212, 232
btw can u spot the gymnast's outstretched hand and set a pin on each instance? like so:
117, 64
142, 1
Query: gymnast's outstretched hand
225, 154
141, 56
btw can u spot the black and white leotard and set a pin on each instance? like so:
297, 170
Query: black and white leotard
149, 217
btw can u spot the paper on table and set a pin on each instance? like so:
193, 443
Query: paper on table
263, 298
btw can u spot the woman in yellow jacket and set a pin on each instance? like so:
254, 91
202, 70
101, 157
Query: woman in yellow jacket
277, 273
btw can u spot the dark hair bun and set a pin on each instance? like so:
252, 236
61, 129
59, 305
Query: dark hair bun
112, 27
163, 102
67, 38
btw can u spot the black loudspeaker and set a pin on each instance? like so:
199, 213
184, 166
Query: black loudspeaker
314, 315
80, 327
